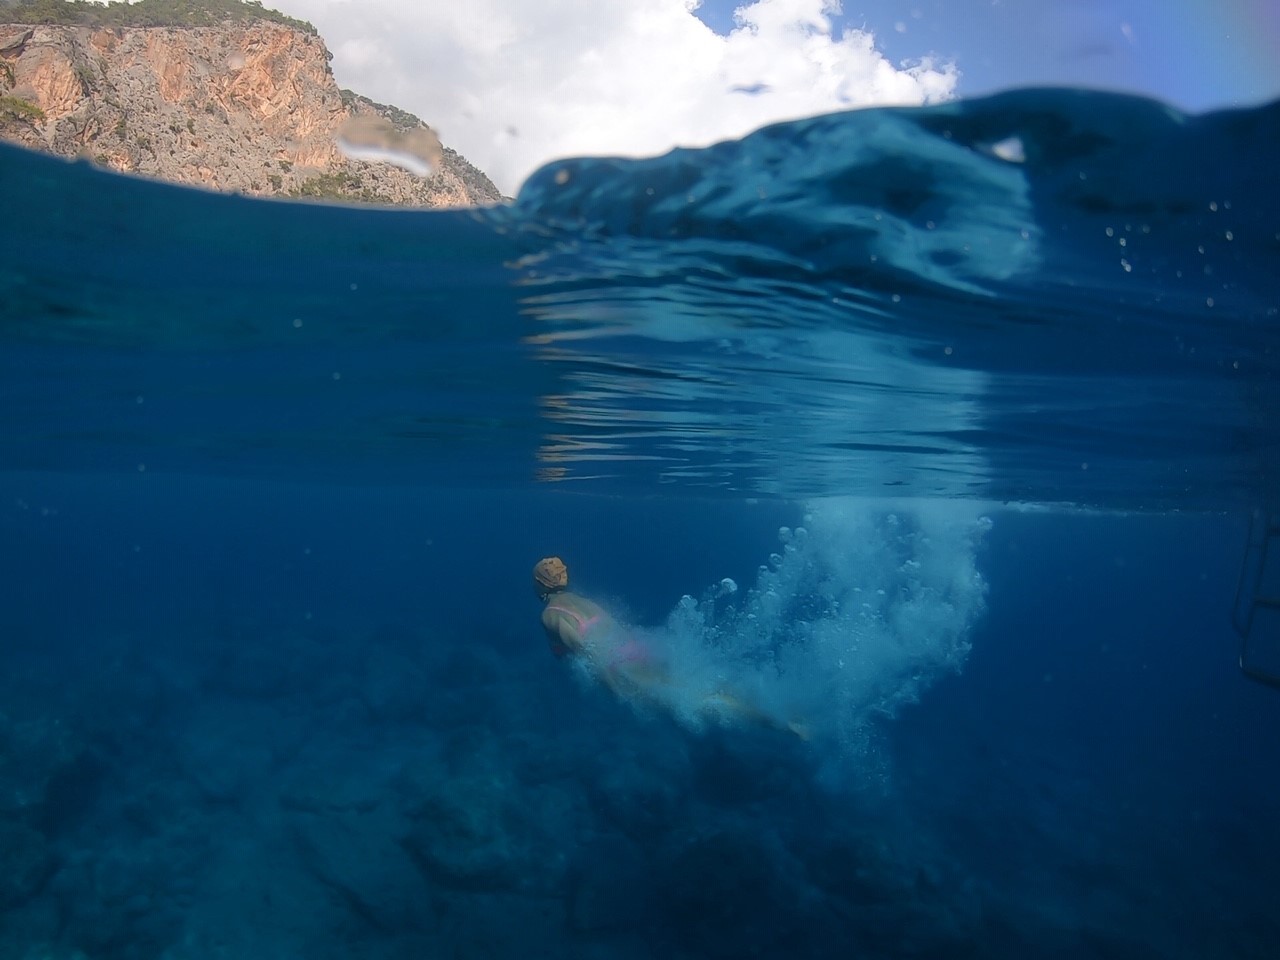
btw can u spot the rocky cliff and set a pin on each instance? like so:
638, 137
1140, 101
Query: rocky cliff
248, 105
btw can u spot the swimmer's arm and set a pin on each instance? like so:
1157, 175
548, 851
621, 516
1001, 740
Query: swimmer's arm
561, 632
551, 623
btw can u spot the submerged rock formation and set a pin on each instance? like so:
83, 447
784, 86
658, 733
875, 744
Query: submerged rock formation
248, 105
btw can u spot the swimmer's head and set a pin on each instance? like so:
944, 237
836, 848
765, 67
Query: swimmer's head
550, 575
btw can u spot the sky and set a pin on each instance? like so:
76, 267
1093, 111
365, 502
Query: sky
513, 84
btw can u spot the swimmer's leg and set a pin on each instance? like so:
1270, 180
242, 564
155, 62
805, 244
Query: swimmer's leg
729, 706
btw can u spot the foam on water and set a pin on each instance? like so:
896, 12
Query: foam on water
858, 611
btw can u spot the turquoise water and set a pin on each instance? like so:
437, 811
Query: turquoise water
939, 429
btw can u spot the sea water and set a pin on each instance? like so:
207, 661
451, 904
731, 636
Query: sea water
937, 431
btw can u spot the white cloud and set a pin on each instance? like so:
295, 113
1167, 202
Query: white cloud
512, 84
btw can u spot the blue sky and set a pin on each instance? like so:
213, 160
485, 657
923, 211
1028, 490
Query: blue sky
1196, 54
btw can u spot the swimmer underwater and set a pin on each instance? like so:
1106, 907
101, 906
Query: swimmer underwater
580, 628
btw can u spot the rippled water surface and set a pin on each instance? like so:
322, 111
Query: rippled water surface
1044, 296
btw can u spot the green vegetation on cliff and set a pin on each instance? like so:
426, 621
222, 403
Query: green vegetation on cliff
402, 120
143, 13
334, 186
14, 108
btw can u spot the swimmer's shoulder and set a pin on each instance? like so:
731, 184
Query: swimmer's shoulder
578, 604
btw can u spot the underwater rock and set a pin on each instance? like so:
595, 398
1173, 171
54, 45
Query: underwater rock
731, 769
40, 755
468, 665
891, 901
253, 672
323, 788
26, 862
462, 838
32, 930
393, 688
607, 888
224, 752
125, 882
489, 833
356, 856
476, 824
639, 807
726, 895
641, 796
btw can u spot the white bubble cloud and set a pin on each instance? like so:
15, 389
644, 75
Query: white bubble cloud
512, 84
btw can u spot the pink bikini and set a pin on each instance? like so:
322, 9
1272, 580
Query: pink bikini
628, 652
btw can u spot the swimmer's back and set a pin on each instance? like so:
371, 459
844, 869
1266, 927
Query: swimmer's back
570, 620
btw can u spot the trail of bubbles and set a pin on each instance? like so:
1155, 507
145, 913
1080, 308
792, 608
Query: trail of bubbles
856, 614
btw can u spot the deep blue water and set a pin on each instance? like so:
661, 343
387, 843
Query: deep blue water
972, 404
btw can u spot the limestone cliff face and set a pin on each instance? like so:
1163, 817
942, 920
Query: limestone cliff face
248, 106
